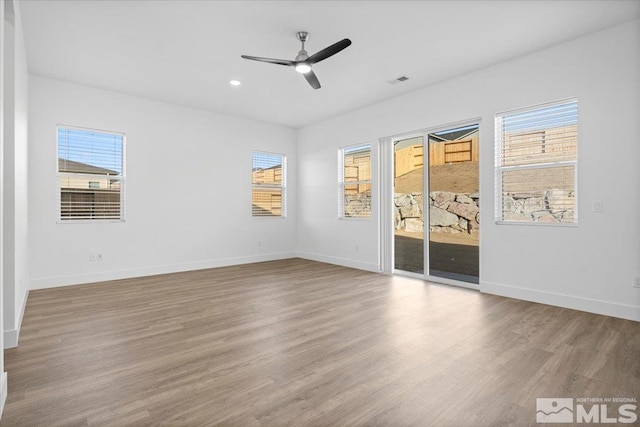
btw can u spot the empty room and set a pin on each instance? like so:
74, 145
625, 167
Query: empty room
319, 213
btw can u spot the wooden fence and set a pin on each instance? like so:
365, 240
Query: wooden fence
554, 144
357, 168
267, 202
271, 175
408, 159
440, 153
78, 203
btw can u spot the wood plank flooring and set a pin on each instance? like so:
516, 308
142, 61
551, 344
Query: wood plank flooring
297, 342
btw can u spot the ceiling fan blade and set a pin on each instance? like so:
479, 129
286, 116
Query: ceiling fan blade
329, 51
270, 60
312, 79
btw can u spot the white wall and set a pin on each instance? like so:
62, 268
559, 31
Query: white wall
188, 189
588, 267
15, 232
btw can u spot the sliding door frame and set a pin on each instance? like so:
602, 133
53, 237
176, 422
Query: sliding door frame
386, 164
387, 208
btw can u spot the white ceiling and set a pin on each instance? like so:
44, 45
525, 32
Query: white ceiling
185, 52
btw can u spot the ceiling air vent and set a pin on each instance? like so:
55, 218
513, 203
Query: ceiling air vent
398, 80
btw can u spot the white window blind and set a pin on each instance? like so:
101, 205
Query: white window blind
536, 164
268, 197
354, 182
90, 174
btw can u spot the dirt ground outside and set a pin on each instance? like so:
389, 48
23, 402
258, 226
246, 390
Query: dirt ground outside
456, 178
455, 253
452, 239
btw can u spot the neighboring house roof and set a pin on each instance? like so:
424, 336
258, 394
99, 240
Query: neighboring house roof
65, 165
269, 168
455, 135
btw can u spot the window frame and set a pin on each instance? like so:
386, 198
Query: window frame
342, 183
59, 175
499, 168
282, 186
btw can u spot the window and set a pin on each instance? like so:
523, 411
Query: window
536, 162
90, 175
354, 182
269, 185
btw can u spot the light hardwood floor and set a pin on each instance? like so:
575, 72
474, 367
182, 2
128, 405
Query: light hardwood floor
297, 342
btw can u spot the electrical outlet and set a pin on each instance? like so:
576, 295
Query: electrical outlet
98, 257
259, 243
357, 248
95, 257
636, 281
598, 206
92, 257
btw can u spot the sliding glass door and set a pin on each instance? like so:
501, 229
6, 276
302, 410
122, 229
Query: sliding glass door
408, 204
433, 220
454, 204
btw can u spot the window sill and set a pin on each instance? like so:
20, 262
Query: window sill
538, 224
89, 221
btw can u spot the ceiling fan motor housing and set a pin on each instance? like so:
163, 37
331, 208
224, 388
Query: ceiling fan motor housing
302, 54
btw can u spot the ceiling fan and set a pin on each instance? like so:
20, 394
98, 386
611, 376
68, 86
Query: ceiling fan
303, 62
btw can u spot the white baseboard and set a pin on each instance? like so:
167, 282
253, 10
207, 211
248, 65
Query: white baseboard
3, 391
623, 311
11, 336
53, 282
345, 262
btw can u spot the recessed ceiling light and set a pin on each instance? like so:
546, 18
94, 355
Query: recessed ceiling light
235, 82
